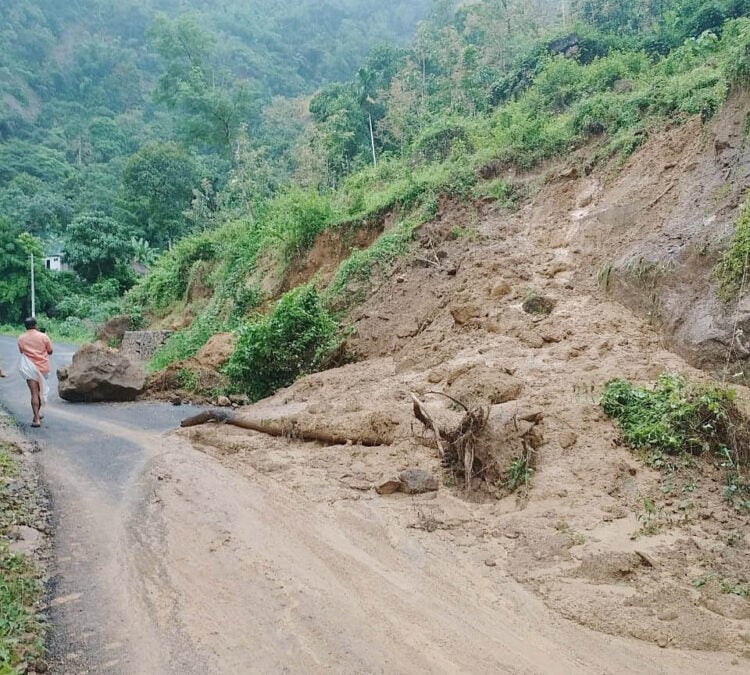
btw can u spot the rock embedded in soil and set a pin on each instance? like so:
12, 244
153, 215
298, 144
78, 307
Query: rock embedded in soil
388, 487
538, 304
463, 313
416, 481
113, 330
500, 289
26, 540
567, 439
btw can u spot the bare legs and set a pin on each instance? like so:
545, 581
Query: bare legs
36, 401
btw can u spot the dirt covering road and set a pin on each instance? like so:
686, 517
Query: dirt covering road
220, 550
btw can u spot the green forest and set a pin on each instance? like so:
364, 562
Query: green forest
165, 147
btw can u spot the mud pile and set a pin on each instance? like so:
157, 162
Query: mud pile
602, 539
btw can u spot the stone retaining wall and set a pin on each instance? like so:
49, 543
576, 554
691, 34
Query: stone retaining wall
143, 343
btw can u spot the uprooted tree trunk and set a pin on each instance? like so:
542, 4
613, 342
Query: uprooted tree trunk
284, 427
456, 446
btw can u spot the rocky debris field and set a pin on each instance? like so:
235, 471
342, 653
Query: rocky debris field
515, 312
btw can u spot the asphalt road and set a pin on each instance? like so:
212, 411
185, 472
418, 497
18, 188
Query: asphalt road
91, 457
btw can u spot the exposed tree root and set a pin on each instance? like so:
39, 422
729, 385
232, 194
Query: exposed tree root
457, 445
284, 428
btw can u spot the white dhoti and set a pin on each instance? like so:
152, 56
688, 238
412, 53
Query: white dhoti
30, 372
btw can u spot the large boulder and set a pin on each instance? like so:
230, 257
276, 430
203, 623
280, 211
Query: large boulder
98, 373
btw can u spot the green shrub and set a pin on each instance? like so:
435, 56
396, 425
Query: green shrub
672, 417
169, 278
499, 189
732, 270
295, 217
436, 142
673, 421
297, 338
352, 278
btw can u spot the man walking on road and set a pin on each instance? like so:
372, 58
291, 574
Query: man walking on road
35, 348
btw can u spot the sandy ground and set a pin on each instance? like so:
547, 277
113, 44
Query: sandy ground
262, 578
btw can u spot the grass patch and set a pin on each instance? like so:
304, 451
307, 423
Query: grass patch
673, 422
71, 330
353, 277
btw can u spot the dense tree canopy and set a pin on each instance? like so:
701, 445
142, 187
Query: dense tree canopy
149, 120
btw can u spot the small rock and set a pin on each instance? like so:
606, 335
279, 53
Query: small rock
500, 289
663, 642
223, 401
27, 539
668, 615
175, 400
646, 559
417, 481
400, 279
435, 376
463, 313
570, 172
388, 487
490, 562
567, 438
41, 666
239, 399
15, 486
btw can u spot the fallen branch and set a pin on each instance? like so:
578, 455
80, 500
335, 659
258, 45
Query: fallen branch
278, 428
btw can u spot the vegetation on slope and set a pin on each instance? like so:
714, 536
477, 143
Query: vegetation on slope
119, 121
672, 423
177, 153
610, 88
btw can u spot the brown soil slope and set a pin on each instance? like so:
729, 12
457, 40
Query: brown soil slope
599, 538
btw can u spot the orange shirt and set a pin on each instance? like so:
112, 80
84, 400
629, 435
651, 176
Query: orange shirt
37, 346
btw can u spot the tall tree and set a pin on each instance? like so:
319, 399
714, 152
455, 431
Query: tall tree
96, 246
212, 102
157, 189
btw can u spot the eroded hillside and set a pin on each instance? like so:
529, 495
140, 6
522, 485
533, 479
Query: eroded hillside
601, 274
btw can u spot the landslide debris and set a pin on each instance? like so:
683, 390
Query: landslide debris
554, 496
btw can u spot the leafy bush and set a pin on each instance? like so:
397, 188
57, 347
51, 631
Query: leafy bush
298, 337
674, 420
295, 217
168, 280
732, 270
435, 143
